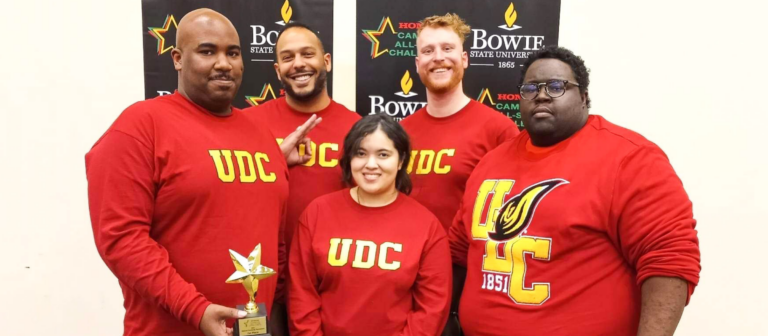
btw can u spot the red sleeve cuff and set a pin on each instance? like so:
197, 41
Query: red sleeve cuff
195, 310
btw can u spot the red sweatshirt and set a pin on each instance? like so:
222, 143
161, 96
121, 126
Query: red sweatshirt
446, 150
171, 188
322, 174
357, 270
579, 227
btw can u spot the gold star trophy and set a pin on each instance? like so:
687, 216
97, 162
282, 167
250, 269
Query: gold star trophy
248, 272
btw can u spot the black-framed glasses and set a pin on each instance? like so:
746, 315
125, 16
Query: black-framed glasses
554, 88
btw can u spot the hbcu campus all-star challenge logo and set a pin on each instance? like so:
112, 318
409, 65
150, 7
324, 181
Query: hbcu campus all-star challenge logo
166, 41
503, 226
502, 49
165, 34
267, 93
506, 103
386, 41
401, 108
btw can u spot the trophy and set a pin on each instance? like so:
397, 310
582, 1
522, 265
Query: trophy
249, 272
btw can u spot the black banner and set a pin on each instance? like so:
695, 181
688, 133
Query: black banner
257, 23
503, 35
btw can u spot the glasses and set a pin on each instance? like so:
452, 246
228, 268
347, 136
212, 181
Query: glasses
554, 88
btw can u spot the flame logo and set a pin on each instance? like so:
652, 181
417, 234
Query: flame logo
286, 12
406, 83
516, 214
510, 16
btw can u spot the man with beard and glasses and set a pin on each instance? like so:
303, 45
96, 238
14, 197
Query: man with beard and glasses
302, 65
452, 132
577, 226
178, 180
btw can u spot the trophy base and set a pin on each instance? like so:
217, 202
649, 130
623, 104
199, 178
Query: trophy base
253, 324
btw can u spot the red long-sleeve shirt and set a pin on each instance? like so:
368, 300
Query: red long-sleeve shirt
322, 174
171, 188
356, 270
588, 221
446, 150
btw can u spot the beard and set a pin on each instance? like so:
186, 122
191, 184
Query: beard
439, 88
318, 87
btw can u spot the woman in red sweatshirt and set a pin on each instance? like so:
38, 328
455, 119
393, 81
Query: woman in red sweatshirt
369, 260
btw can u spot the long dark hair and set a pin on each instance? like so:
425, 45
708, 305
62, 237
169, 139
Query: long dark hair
394, 132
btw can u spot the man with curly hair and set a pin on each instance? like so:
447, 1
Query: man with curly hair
452, 132
577, 226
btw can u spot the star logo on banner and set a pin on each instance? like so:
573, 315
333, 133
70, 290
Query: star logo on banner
160, 32
371, 34
255, 100
483, 94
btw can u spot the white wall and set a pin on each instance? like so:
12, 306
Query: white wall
688, 74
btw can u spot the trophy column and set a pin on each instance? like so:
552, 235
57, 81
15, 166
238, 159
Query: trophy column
252, 324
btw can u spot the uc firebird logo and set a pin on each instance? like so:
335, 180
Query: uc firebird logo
516, 214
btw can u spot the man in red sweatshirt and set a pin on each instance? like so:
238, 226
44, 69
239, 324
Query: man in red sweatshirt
178, 180
453, 132
577, 226
302, 66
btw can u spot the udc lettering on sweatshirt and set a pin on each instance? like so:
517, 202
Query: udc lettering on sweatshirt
367, 254
503, 225
250, 166
431, 161
325, 155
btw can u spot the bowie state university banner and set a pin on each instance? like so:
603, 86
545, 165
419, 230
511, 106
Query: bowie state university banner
258, 23
503, 35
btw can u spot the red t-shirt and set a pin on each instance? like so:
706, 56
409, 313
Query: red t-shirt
357, 270
171, 188
322, 174
446, 150
581, 226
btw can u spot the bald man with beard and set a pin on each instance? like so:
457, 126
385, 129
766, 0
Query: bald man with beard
178, 180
